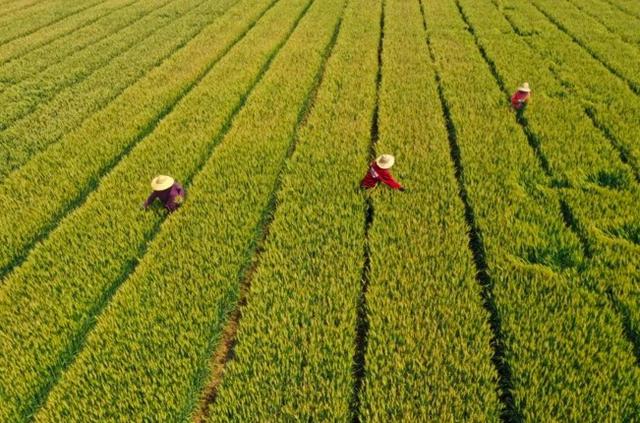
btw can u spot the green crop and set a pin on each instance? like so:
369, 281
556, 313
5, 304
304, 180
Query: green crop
296, 336
27, 20
50, 34
429, 350
80, 284
70, 107
502, 284
192, 294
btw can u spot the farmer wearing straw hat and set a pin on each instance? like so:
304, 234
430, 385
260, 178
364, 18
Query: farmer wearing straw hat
521, 96
167, 190
379, 172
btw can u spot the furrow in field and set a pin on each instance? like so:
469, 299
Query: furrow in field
621, 59
38, 59
44, 14
113, 132
111, 224
69, 109
65, 27
548, 317
151, 308
20, 99
616, 22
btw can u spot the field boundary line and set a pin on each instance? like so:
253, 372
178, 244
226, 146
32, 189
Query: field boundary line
362, 309
64, 34
225, 350
510, 412
143, 133
51, 23
75, 347
75, 81
568, 216
632, 85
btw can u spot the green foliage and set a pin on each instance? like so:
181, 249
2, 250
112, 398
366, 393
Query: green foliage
170, 313
294, 356
70, 107
429, 350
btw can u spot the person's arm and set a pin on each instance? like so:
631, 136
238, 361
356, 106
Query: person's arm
386, 178
179, 190
152, 197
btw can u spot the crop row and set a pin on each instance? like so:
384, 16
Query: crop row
601, 192
630, 7
112, 132
69, 108
38, 59
44, 36
28, 20
48, 304
169, 314
429, 350
22, 98
296, 338
562, 341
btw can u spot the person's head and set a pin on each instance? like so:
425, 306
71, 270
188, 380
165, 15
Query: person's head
162, 182
524, 88
385, 161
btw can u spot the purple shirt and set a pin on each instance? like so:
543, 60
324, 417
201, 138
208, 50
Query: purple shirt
168, 196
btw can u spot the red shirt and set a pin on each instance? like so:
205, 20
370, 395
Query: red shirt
167, 197
376, 174
519, 99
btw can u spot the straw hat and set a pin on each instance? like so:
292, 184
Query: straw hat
385, 161
161, 182
524, 88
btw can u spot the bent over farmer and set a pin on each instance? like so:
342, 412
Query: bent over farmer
521, 96
167, 190
379, 172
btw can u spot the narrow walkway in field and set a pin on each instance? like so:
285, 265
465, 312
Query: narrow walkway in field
623, 9
362, 319
225, 349
510, 412
568, 214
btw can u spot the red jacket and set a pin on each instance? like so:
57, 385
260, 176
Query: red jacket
519, 99
376, 174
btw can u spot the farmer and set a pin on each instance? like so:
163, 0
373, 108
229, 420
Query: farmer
379, 172
167, 190
521, 96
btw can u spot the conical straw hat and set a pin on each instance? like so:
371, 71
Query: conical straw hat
524, 88
161, 182
385, 161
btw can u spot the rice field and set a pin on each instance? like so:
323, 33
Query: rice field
502, 285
